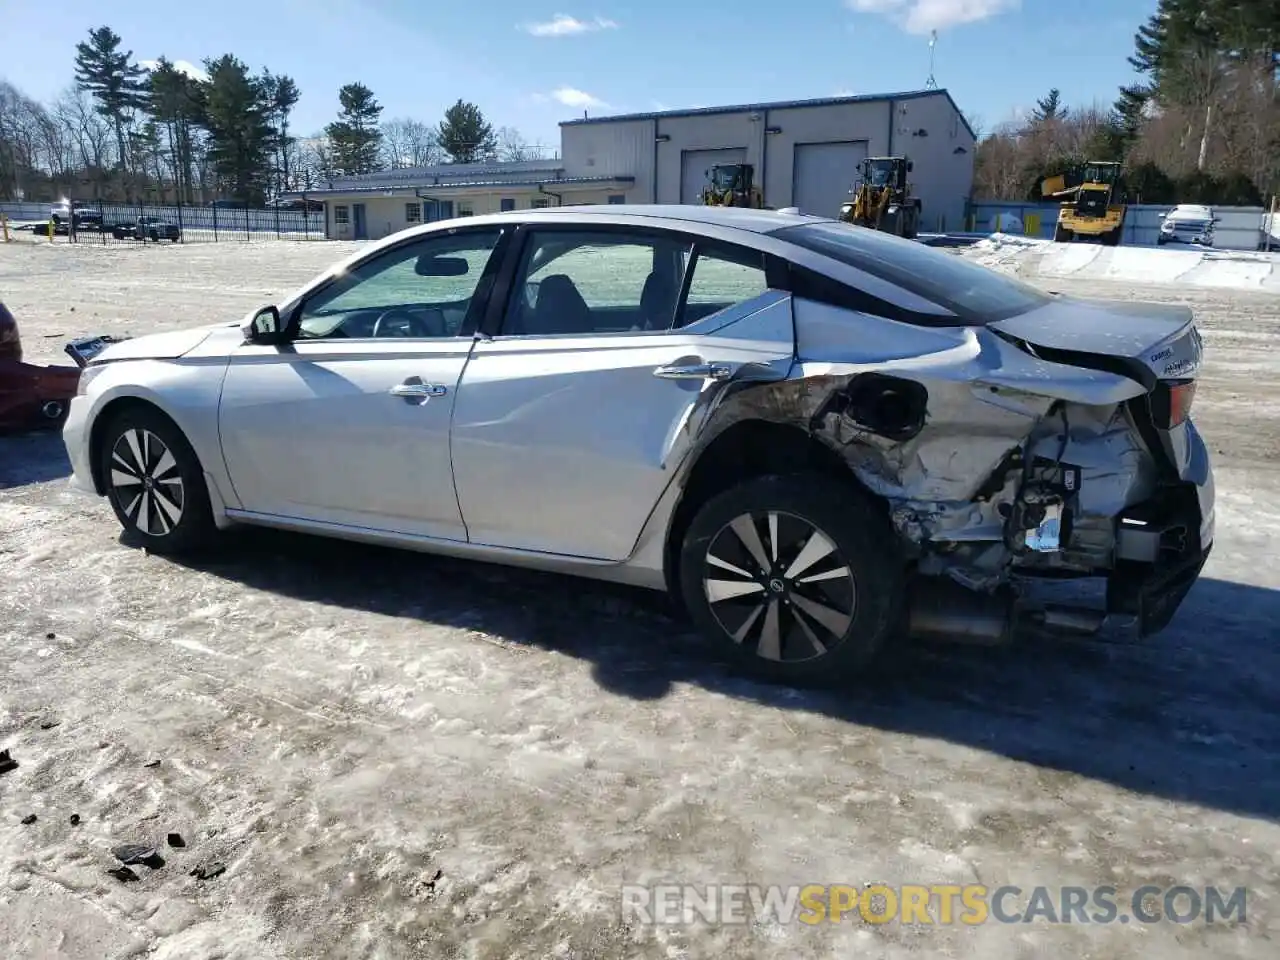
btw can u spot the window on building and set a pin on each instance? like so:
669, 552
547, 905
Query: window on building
507, 204
413, 213
341, 214
583, 282
540, 203
722, 276
465, 209
617, 198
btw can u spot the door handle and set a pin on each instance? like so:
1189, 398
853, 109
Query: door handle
418, 391
694, 371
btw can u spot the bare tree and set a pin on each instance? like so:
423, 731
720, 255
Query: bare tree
409, 143
512, 147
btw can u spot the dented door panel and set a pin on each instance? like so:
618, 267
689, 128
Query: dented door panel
564, 444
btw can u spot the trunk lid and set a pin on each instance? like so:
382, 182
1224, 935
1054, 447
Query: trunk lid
1147, 342
1155, 344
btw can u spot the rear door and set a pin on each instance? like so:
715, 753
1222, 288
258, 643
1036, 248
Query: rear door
569, 422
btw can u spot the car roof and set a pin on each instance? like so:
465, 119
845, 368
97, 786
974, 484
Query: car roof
676, 215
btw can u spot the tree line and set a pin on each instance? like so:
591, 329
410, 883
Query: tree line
1202, 124
123, 132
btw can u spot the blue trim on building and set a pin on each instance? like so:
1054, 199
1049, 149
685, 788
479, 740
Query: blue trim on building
776, 105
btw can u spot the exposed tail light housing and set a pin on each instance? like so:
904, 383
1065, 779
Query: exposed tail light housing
1171, 403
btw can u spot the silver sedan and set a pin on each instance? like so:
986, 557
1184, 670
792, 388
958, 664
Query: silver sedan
817, 437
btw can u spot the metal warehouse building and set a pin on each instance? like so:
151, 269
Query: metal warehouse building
805, 152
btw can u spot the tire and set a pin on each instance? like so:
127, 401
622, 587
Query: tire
168, 509
1061, 235
862, 607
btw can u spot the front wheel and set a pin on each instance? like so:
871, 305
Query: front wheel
797, 577
155, 482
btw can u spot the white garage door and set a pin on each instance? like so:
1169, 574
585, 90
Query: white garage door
823, 175
694, 165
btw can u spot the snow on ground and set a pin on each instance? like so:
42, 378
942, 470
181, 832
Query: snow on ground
1032, 257
401, 756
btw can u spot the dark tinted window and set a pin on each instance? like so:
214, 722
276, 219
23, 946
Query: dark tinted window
972, 292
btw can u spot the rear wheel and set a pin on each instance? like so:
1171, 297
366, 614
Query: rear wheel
797, 578
155, 482
1061, 234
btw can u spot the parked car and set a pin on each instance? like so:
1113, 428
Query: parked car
147, 228
65, 213
296, 204
813, 435
1191, 223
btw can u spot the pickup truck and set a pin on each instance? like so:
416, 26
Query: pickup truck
147, 228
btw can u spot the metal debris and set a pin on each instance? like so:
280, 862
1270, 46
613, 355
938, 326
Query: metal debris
123, 874
29, 819
175, 840
128, 853
49, 724
75, 819
7, 762
152, 763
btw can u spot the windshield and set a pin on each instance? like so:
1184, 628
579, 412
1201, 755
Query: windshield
1100, 173
880, 173
975, 294
724, 178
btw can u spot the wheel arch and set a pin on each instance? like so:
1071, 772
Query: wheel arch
745, 450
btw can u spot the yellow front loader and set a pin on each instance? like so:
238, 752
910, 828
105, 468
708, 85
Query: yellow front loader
732, 185
1093, 203
882, 199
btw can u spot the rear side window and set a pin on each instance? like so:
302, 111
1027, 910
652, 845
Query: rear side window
974, 293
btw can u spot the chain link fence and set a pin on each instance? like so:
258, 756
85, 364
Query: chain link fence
109, 223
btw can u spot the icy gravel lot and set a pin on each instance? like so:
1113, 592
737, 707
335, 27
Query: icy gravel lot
400, 756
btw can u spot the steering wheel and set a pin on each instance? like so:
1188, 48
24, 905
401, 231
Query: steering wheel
415, 325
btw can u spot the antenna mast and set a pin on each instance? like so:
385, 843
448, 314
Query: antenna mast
931, 83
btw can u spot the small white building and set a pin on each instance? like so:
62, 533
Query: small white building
376, 205
805, 154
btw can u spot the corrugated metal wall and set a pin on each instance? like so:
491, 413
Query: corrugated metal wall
1241, 228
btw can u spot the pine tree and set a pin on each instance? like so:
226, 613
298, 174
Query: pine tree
175, 102
1049, 108
354, 137
236, 116
114, 79
465, 135
282, 94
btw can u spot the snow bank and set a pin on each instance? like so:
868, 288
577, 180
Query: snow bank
1033, 257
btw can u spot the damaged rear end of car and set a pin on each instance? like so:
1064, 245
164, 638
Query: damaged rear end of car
1014, 439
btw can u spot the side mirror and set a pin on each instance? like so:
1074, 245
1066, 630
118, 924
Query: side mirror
910, 166
265, 327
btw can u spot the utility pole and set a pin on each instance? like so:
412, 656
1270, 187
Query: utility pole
931, 83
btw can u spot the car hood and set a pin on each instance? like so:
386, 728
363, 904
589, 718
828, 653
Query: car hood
1150, 340
160, 346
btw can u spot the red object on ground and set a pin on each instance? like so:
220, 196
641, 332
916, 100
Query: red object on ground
31, 396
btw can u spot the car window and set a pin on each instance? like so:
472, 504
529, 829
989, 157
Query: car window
573, 283
421, 289
974, 293
722, 277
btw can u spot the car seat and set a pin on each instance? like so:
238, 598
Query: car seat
657, 302
560, 309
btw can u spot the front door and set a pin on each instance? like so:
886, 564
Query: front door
349, 423
570, 422
360, 229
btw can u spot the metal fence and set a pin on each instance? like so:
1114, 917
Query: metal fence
1240, 228
131, 222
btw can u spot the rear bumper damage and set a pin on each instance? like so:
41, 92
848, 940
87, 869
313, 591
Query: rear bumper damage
994, 491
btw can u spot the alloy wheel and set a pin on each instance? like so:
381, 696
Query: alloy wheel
146, 482
777, 583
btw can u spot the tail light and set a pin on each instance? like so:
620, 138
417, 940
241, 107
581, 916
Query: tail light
1171, 403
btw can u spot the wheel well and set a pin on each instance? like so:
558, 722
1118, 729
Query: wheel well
100, 423
752, 448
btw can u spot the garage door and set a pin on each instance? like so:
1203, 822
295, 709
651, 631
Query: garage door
824, 174
694, 165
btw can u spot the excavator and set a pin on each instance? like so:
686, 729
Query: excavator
1092, 205
731, 185
882, 199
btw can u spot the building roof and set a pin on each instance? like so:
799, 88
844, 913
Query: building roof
440, 173
776, 105
350, 185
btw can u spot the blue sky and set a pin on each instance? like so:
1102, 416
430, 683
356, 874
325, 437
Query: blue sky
532, 63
